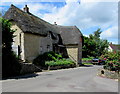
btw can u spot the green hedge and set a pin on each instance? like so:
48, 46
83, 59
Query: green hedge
51, 59
48, 56
61, 62
87, 59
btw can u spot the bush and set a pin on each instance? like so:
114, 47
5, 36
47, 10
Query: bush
110, 56
112, 65
87, 59
10, 64
112, 61
51, 59
61, 62
48, 56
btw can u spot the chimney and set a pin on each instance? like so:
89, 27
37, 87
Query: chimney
55, 23
26, 9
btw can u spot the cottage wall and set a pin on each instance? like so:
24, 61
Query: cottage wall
31, 45
35, 45
18, 40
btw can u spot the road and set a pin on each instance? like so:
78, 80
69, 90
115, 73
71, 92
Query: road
82, 79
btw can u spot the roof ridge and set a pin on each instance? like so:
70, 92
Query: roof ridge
13, 6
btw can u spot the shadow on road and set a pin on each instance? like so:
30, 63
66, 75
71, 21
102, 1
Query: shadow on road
22, 76
87, 65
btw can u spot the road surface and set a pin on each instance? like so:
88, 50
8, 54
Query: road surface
82, 79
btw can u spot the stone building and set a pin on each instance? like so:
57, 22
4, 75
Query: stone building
35, 36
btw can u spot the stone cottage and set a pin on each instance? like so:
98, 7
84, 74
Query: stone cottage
35, 36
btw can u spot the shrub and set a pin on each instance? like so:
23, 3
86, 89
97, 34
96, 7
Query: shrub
51, 59
113, 65
48, 56
87, 59
10, 64
112, 61
61, 62
111, 56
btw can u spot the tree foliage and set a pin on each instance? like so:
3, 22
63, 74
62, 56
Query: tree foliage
10, 65
93, 45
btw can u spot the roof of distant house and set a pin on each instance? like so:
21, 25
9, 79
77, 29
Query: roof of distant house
114, 46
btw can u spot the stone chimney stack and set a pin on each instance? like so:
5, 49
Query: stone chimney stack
55, 23
26, 9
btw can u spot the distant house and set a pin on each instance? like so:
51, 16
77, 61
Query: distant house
35, 36
113, 47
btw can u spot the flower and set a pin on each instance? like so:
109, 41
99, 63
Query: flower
105, 58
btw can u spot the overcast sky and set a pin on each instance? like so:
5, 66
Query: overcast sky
87, 16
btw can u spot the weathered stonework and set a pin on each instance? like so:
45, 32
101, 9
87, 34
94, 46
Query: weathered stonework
73, 53
29, 68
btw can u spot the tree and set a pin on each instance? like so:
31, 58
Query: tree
88, 47
10, 64
93, 45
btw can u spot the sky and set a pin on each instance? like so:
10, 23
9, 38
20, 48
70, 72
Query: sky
87, 15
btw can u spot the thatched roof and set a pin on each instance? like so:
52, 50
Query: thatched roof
32, 24
69, 34
27, 21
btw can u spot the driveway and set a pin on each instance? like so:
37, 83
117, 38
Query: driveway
81, 79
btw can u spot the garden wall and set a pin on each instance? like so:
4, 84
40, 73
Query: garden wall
29, 68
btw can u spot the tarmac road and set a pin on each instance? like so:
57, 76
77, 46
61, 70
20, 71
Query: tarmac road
81, 79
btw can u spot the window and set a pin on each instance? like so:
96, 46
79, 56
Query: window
48, 48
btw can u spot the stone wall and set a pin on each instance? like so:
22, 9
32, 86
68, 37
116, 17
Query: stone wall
73, 53
29, 68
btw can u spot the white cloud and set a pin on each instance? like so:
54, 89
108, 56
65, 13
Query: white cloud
86, 35
110, 33
36, 8
85, 15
